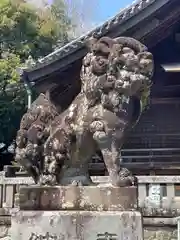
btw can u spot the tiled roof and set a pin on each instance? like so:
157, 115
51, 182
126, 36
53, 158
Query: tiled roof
101, 30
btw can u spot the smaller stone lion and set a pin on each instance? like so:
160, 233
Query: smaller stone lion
116, 75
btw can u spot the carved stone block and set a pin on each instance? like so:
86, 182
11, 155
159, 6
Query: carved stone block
91, 198
76, 225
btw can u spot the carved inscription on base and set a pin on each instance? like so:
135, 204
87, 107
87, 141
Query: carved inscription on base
106, 236
47, 236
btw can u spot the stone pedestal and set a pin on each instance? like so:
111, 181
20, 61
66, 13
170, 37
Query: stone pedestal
77, 225
77, 213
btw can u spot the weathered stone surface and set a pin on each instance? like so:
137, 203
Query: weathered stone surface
150, 233
5, 222
163, 233
76, 225
92, 198
155, 233
5, 232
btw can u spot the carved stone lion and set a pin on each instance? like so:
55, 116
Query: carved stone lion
34, 131
116, 77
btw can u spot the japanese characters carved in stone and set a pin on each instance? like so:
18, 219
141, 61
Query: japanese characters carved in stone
55, 148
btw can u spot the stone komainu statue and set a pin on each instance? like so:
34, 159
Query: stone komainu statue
55, 147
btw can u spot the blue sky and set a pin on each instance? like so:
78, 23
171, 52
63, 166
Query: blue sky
93, 12
108, 8
105, 8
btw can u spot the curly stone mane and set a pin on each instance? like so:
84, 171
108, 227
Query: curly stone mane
118, 67
113, 73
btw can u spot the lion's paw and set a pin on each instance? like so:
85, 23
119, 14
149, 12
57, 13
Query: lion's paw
124, 179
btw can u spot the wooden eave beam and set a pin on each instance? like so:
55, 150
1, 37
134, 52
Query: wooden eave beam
165, 101
163, 30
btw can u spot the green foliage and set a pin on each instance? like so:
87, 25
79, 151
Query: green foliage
28, 31
12, 96
60, 14
24, 31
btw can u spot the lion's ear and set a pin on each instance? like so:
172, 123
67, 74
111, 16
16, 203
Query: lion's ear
90, 42
107, 41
